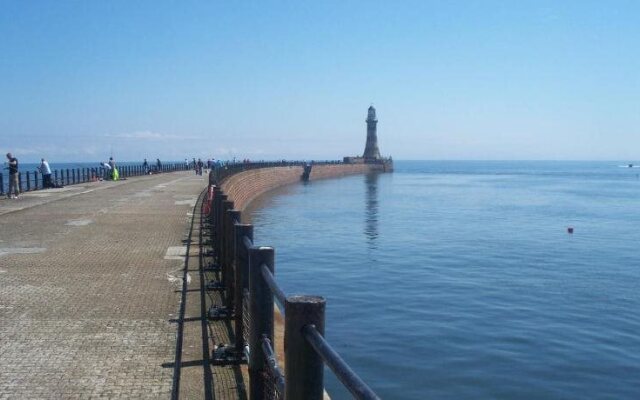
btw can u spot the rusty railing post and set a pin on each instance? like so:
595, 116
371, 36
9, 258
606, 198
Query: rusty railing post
232, 217
261, 309
304, 369
218, 227
224, 230
241, 282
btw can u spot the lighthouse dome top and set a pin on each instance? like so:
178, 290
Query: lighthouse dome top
371, 114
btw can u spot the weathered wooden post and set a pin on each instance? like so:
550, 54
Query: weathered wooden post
35, 180
241, 252
73, 175
225, 267
28, 181
233, 216
217, 211
304, 369
261, 310
55, 173
220, 231
1, 183
20, 188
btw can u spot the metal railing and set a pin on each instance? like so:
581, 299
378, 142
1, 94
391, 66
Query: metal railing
34, 180
247, 273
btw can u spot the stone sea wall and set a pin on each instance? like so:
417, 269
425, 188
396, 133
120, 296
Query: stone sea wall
245, 186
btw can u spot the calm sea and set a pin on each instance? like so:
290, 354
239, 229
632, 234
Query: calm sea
458, 280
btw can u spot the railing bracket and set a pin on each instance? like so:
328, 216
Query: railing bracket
212, 267
225, 354
215, 285
219, 312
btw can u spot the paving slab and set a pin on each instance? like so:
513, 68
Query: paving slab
90, 288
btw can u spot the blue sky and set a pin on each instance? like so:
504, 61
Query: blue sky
272, 80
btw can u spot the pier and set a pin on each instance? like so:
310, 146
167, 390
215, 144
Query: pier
89, 285
139, 288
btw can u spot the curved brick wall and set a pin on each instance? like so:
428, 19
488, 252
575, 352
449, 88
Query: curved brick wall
334, 171
245, 186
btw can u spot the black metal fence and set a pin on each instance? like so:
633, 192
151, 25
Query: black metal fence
33, 180
247, 278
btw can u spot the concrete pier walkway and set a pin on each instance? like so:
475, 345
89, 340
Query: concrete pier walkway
90, 290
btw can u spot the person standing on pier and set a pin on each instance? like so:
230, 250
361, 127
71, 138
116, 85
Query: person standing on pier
112, 164
14, 180
145, 167
45, 170
107, 170
199, 167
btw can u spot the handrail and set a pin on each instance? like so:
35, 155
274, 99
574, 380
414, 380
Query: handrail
340, 368
33, 180
273, 285
248, 243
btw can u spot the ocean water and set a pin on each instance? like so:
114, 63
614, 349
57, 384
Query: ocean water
459, 280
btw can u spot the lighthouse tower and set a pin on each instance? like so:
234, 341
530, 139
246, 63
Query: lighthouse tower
371, 151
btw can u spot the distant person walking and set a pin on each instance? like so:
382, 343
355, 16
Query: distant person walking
199, 167
145, 167
45, 170
159, 165
14, 180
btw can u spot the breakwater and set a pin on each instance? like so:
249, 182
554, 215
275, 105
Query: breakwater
242, 183
247, 277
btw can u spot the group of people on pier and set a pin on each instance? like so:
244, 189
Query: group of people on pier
199, 165
110, 171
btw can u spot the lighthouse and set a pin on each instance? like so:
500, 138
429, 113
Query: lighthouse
371, 150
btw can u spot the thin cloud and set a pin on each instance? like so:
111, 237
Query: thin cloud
149, 135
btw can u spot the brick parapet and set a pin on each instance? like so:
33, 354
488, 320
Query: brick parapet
244, 187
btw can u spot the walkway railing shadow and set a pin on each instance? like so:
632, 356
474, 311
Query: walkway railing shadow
198, 242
